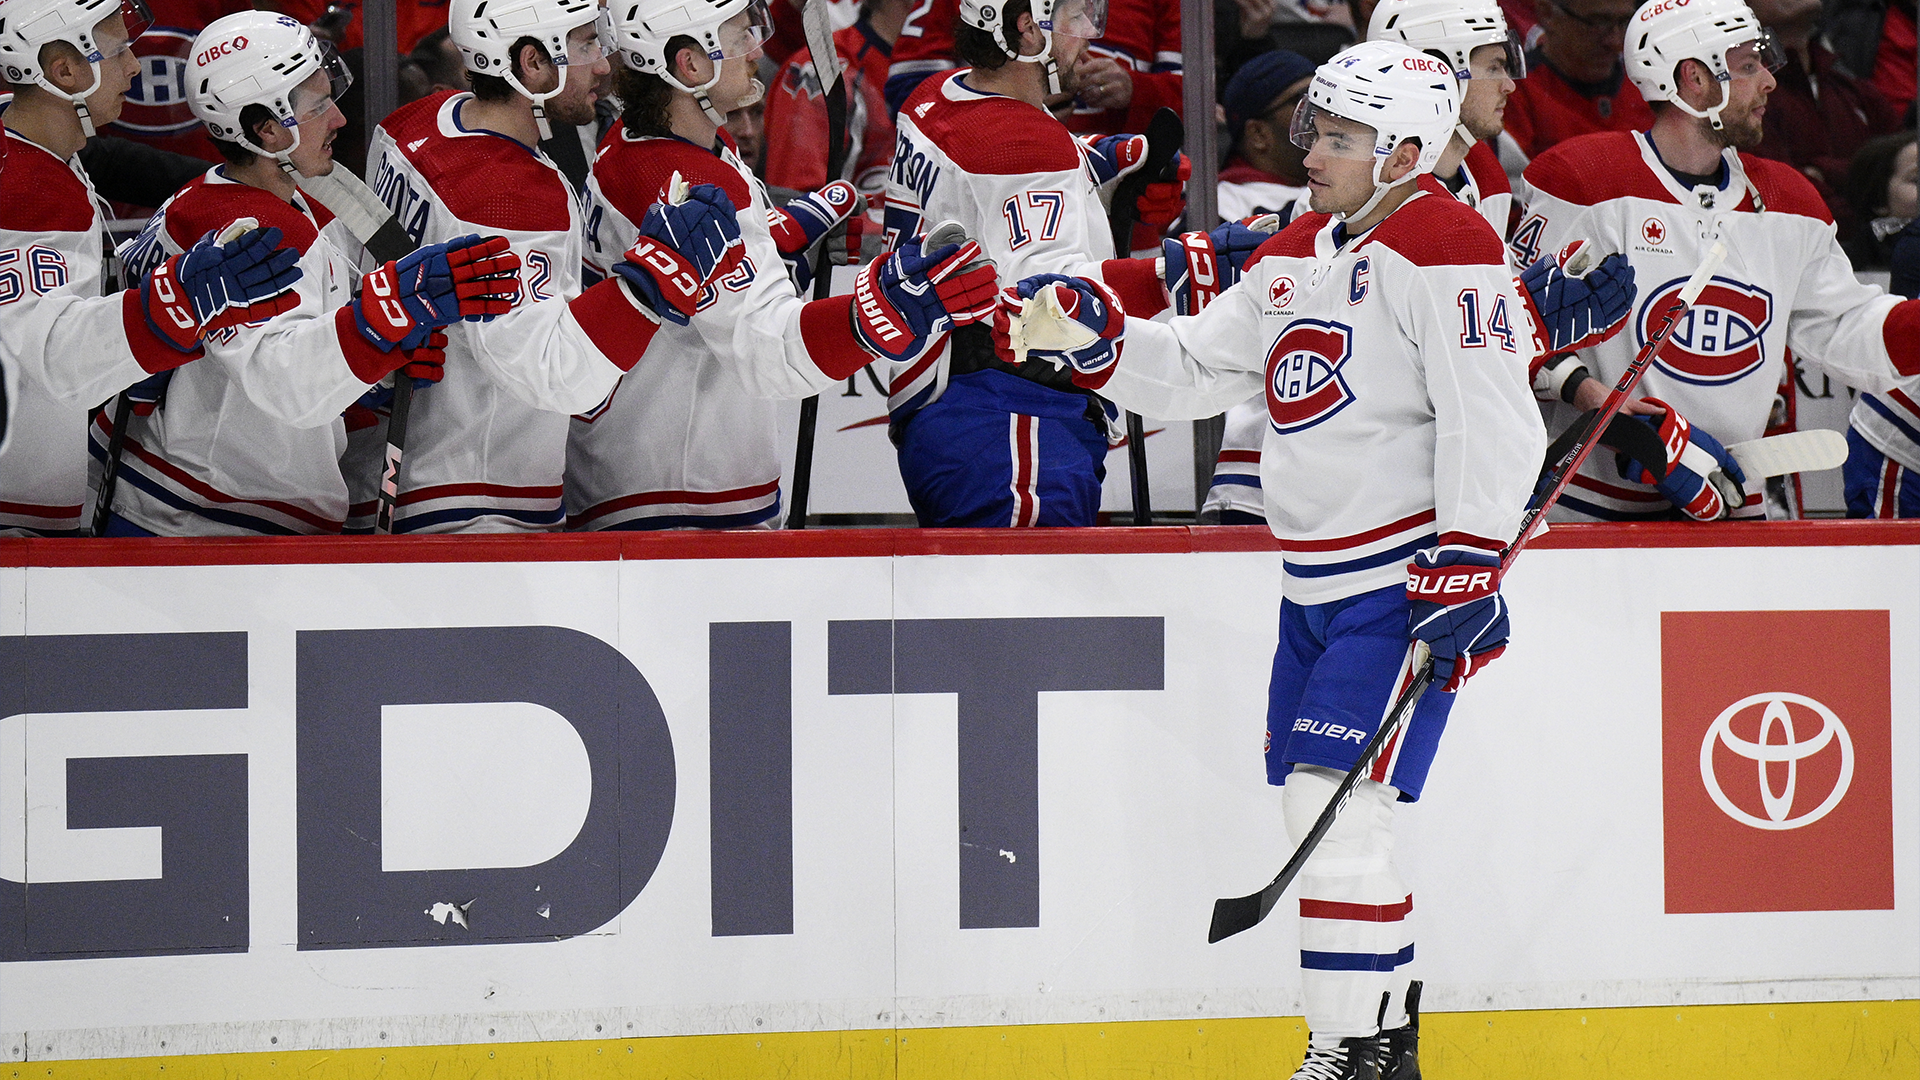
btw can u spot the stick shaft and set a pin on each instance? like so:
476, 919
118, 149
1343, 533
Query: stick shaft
110, 472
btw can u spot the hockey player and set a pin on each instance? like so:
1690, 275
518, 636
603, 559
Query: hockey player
249, 441
1383, 329
1663, 197
67, 347
978, 444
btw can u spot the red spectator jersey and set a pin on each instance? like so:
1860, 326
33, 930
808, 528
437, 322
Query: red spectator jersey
413, 19
1143, 35
1893, 65
1816, 123
797, 117
1547, 109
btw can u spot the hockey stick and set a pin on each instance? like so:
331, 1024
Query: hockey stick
110, 472
827, 69
1795, 452
371, 223
1165, 134
1230, 916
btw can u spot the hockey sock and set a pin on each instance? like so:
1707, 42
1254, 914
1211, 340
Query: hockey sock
1353, 909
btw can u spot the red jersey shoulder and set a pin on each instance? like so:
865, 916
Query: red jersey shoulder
991, 135
1483, 165
1590, 169
637, 168
1434, 231
1293, 242
201, 208
39, 193
1784, 189
483, 179
928, 33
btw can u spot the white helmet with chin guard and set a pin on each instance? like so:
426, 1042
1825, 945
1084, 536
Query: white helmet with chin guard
1452, 30
484, 31
1665, 32
641, 30
1399, 92
1075, 18
260, 58
26, 25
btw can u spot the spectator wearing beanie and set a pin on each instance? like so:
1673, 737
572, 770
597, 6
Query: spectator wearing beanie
1265, 172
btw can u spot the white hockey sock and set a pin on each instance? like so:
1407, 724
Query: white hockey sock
1354, 935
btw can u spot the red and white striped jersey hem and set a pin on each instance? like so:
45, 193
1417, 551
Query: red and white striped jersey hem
744, 507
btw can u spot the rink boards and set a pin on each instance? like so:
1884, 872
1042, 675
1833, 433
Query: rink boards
928, 804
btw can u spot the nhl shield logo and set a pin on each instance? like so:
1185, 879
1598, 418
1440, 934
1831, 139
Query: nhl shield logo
1304, 385
1720, 340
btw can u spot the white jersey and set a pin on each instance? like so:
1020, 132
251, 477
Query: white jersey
1482, 184
1393, 365
1236, 470
247, 440
1785, 285
1021, 185
66, 347
1245, 191
688, 439
1890, 423
486, 446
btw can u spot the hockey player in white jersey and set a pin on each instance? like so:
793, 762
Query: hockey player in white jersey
978, 444
688, 438
1384, 330
67, 346
1664, 197
249, 441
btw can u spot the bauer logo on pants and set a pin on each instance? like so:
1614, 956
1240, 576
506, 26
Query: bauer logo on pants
1777, 760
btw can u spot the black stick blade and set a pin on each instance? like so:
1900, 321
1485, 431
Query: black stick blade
1230, 916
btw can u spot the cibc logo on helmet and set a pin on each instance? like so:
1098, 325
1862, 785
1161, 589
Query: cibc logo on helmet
1777, 760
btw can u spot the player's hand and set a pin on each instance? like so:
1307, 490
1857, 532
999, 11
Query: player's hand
798, 225
1104, 83
1702, 480
682, 247
215, 285
1457, 610
1115, 156
405, 301
1575, 305
1163, 201
426, 363
903, 300
1073, 323
1201, 266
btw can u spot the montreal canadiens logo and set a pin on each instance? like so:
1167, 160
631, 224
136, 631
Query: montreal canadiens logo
1304, 386
1281, 292
157, 100
1720, 340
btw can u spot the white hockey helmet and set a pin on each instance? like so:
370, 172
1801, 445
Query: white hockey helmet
26, 25
1075, 18
484, 31
1665, 32
1451, 28
260, 58
641, 30
1398, 91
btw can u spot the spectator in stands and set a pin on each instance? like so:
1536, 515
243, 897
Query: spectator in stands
1818, 116
1576, 82
338, 21
1874, 41
796, 110
440, 60
1265, 172
748, 126
1881, 190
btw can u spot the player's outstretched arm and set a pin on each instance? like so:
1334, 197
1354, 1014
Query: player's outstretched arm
248, 278
686, 240
404, 302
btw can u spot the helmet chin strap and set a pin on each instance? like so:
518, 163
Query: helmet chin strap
1380, 189
539, 100
78, 101
284, 158
705, 102
1712, 114
1051, 68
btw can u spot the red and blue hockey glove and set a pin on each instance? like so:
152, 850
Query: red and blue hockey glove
682, 247
901, 301
215, 285
1575, 305
837, 212
1114, 156
426, 362
405, 301
1457, 610
1071, 309
1200, 266
1703, 481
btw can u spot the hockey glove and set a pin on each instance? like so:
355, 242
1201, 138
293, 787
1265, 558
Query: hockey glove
1114, 156
1201, 266
1457, 610
426, 362
1069, 322
682, 247
1574, 306
215, 285
405, 301
1703, 481
902, 300
798, 225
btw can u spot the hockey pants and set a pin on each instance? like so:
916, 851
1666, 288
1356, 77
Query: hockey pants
996, 450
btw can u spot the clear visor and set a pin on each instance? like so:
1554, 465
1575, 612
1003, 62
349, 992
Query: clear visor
1761, 54
1086, 19
108, 43
1315, 128
589, 48
311, 99
1497, 60
746, 31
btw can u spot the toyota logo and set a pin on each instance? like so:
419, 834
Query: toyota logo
1777, 714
